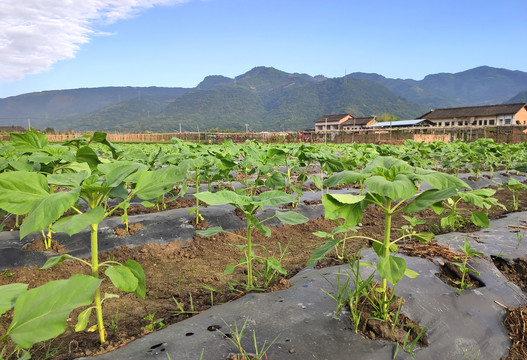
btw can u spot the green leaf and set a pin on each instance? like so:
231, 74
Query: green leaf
333, 165
122, 277
411, 273
229, 269
98, 136
334, 210
153, 184
83, 319
56, 260
9, 294
41, 158
110, 296
317, 181
117, 172
48, 210
67, 179
391, 268
345, 177
20, 191
239, 246
22, 165
223, 197
477, 197
438, 208
275, 181
147, 204
76, 223
441, 180
274, 198
119, 192
322, 234
258, 225
384, 164
88, 155
78, 167
321, 252
379, 248
480, 219
514, 184
211, 231
428, 198
343, 228
424, 237
483, 192
30, 141
137, 270
347, 198
275, 265
400, 188
41, 313
291, 217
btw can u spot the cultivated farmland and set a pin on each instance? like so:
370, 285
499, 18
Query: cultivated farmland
106, 243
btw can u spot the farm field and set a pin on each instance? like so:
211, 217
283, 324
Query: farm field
152, 237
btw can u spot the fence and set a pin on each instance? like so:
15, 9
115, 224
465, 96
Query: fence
500, 134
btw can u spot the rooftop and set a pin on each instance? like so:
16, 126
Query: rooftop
468, 111
401, 123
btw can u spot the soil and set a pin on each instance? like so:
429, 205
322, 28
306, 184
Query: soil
121, 231
180, 270
394, 329
201, 225
38, 245
515, 271
516, 322
451, 274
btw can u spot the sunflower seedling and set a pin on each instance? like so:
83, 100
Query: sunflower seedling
464, 267
249, 205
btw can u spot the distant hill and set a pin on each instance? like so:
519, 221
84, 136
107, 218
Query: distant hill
483, 85
54, 104
265, 98
521, 97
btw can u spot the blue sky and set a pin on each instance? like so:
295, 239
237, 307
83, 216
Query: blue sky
176, 43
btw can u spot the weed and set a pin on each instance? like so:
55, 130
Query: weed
155, 324
471, 354
114, 325
181, 309
272, 267
409, 348
463, 266
515, 188
6, 273
409, 230
519, 237
179, 281
341, 292
236, 339
212, 291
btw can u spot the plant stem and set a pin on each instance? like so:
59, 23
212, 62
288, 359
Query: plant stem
95, 274
197, 200
386, 245
249, 257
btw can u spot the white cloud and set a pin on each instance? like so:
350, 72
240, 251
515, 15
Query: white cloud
34, 34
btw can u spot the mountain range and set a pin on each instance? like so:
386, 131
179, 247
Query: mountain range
264, 99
